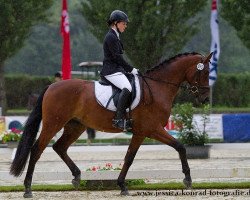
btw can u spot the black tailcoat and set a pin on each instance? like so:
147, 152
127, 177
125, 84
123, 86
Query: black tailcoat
113, 55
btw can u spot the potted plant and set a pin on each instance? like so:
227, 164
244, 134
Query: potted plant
11, 137
193, 138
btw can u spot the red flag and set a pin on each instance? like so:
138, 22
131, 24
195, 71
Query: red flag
66, 58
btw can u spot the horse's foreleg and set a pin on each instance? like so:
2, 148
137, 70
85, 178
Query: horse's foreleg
166, 138
185, 167
134, 145
72, 131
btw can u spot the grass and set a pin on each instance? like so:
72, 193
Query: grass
116, 141
121, 141
136, 185
230, 110
20, 111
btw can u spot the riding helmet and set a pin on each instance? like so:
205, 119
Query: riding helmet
119, 16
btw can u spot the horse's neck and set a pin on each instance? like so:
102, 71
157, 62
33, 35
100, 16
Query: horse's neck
173, 73
169, 79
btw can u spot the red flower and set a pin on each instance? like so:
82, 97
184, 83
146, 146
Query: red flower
94, 168
109, 165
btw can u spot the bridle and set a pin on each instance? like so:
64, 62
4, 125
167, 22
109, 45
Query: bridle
194, 89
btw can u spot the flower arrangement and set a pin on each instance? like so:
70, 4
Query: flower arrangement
108, 166
11, 135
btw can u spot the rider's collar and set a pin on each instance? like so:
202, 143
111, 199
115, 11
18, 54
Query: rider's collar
116, 33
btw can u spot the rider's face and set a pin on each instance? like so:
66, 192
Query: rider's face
121, 26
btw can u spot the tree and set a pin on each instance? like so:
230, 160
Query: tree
237, 13
17, 17
41, 54
156, 26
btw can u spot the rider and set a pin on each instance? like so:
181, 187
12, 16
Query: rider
114, 65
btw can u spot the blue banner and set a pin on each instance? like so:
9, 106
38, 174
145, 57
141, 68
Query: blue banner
236, 127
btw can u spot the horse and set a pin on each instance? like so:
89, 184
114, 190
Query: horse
71, 104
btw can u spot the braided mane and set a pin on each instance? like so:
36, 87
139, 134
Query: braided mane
170, 60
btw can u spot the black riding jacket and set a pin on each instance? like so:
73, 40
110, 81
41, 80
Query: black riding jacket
113, 59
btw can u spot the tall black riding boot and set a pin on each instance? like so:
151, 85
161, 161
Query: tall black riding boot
119, 121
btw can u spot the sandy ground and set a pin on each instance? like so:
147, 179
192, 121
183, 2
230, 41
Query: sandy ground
135, 195
161, 157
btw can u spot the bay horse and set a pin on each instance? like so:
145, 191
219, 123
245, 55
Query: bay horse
71, 105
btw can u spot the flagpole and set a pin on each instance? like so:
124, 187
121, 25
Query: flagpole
211, 98
215, 48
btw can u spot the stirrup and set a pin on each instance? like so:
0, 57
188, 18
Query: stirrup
119, 123
129, 124
122, 124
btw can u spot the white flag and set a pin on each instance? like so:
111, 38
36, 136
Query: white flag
215, 44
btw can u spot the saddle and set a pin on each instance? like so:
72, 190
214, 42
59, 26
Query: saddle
107, 94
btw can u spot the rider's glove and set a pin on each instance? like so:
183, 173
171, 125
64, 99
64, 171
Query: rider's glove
134, 71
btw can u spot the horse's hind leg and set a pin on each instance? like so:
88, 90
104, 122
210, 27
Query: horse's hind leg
37, 149
72, 130
163, 136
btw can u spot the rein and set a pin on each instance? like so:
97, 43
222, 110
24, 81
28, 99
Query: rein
144, 77
194, 89
157, 80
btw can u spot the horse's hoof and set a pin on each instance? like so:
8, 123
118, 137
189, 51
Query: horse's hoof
76, 183
187, 183
28, 195
125, 193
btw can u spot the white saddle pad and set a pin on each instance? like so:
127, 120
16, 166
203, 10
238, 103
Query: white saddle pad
104, 92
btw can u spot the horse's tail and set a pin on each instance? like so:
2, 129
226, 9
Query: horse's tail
29, 135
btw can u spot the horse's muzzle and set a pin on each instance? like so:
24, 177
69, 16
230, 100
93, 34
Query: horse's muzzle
203, 95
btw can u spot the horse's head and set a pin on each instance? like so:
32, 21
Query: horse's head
198, 79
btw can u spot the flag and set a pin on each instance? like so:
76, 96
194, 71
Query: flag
215, 44
66, 58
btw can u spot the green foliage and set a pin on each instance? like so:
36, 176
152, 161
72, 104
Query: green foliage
42, 52
237, 13
142, 186
14, 135
183, 118
17, 17
19, 87
156, 26
232, 90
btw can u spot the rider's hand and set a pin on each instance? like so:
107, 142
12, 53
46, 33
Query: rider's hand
134, 71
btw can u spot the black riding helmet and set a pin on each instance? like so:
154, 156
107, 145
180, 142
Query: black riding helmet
119, 16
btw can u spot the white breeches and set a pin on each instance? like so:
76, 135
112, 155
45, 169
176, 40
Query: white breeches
119, 80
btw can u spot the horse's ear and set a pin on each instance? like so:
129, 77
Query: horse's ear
207, 59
